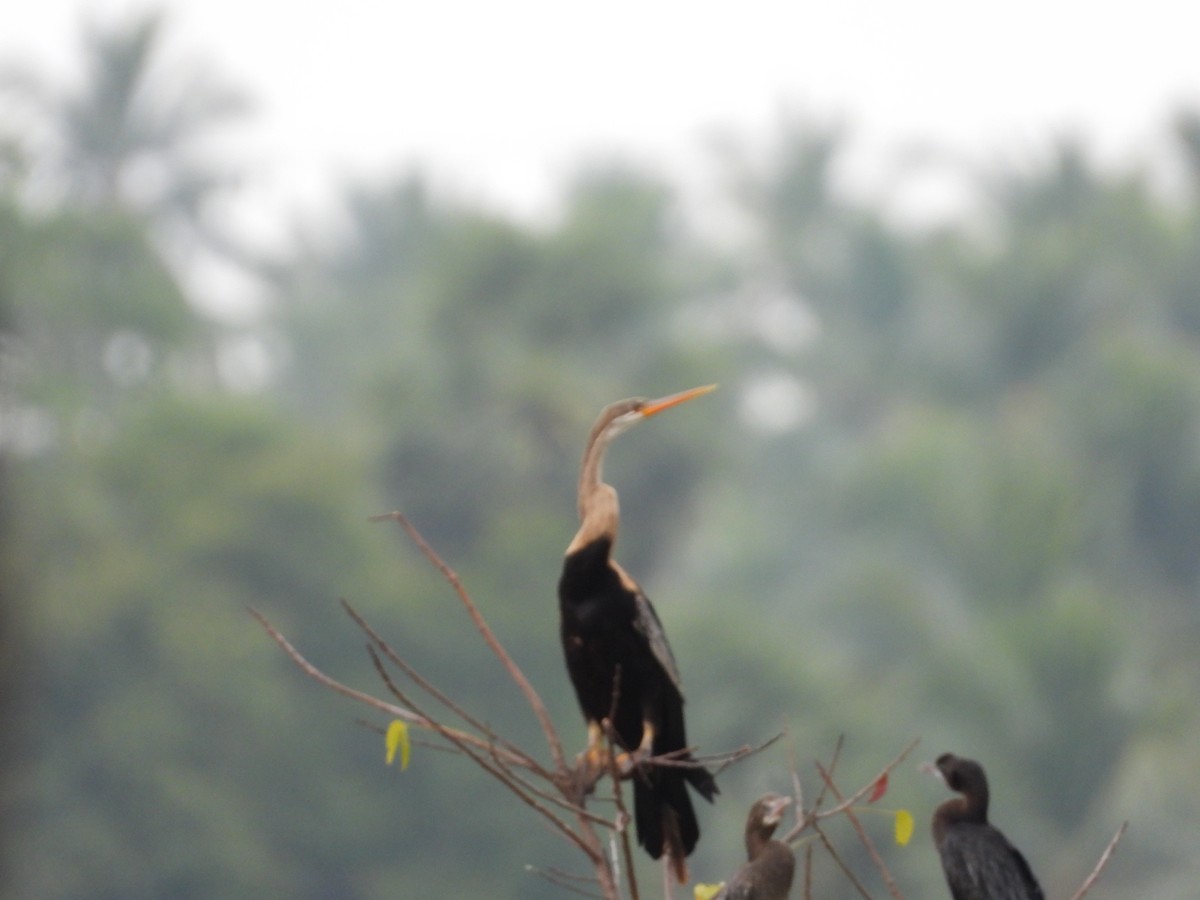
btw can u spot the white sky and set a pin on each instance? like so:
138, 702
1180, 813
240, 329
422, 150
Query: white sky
503, 98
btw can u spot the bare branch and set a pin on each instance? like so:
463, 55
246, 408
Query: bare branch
816, 814
619, 798
462, 742
497, 767
513, 755
797, 788
427, 686
415, 741
723, 761
565, 880
828, 844
863, 837
838, 746
559, 801
557, 794
514, 671
312, 671
1101, 863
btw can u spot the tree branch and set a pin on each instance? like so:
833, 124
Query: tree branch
1101, 863
514, 671
816, 814
863, 837
427, 686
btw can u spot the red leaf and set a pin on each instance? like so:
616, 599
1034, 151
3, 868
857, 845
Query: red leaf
880, 788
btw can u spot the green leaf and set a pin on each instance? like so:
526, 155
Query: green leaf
397, 738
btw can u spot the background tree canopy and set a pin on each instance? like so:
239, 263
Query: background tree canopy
950, 489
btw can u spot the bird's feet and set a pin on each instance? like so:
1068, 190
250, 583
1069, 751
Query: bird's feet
590, 766
628, 761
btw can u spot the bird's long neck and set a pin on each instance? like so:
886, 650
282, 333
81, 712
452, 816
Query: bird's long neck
599, 511
975, 803
756, 840
972, 807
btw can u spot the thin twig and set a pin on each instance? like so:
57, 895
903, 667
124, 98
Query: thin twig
797, 788
723, 761
461, 741
427, 686
415, 741
565, 880
514, 756
1101, 863
497, 769
864, 838
838, 746
531, 695
838, 859
312, 671
610, 735
816, 814
559, 801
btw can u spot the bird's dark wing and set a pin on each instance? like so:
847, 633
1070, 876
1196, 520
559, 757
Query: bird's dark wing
1031, 884
981, 864
650, 627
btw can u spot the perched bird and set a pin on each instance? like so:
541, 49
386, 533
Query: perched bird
979, 862
618, 658
767, 874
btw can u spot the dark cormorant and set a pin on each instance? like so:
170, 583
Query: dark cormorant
979, 862
767, 874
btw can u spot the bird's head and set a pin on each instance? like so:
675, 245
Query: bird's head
619, 417
957, 773
771, 808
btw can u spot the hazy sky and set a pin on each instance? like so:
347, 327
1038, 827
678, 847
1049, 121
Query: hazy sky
504, 98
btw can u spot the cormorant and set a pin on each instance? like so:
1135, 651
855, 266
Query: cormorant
767, 874
979, 862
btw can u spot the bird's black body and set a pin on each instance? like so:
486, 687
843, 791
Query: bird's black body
770, 865
979, 862
612, 639
618, 658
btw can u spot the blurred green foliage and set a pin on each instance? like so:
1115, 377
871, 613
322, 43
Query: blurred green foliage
970, 515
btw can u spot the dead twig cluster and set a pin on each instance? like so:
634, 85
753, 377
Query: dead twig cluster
557, 791
812, 818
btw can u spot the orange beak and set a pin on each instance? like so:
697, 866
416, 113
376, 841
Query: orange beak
654, 407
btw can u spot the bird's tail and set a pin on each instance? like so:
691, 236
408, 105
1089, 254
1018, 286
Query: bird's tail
673, 845
663, 812
665, 819
701, 779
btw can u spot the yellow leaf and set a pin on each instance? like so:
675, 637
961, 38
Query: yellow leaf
397, 738
706, 891
904, 826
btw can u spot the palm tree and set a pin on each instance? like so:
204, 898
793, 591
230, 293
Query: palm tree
128, 136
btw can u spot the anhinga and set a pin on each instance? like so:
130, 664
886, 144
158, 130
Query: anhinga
770, 866
618, 658
979, 862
